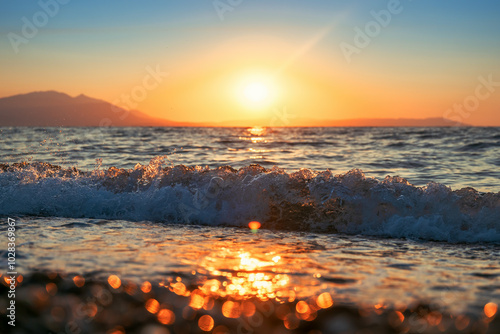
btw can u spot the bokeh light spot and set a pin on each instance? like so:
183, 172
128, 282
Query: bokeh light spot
51, 288
324, 300
79, 281
166, 317
254, 226
302, 307
178, 288
291, 322
206, 323
490, 309
231, 309
146, 287
152, 306
114, 281
197, 299
248, 308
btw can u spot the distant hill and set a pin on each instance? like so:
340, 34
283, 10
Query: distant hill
53, 108
390, 122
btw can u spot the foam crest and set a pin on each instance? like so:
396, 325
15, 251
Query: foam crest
306, 200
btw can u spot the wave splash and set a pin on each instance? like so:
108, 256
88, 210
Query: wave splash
306, 200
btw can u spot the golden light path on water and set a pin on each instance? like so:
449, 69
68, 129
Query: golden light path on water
244, 263
247, 276
243, 276
208, 275
240, 278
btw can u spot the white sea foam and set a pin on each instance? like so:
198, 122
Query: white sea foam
306, 200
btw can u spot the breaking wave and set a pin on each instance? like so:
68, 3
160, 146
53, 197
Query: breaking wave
306, 200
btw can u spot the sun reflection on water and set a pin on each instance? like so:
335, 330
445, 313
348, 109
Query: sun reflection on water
257, 131
235, 280
241, 275
255, 134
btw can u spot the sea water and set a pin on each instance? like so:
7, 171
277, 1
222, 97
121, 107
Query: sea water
373, 216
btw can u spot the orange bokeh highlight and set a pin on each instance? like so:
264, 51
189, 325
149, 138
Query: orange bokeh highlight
197, 299
166, 317
254, 225
248, 308
114, 281
130, 288
146, 287
434, 318
51, 288
79, 281
206, 323
91, 310
152, 305
231, 309
324, 300
291, 322
401, 317
302, 307
178, 288
490, 309
395, 318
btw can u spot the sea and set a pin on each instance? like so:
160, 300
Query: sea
293, 226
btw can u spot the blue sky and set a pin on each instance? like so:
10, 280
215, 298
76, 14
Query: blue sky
102, 47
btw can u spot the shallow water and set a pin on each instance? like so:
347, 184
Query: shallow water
272, 265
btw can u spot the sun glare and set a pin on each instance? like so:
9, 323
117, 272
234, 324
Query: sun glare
256, 92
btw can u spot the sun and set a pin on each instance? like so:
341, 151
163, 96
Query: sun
256, 92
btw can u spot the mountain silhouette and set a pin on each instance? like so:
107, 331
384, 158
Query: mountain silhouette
53, 108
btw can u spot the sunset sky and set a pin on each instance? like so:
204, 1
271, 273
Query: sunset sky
227, 61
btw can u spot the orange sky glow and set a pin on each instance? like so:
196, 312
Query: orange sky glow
405, 71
